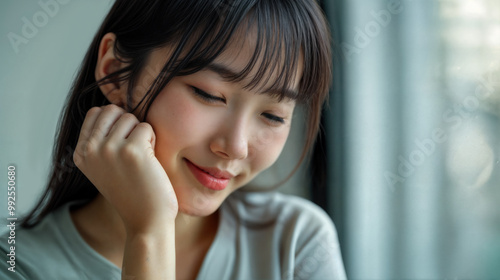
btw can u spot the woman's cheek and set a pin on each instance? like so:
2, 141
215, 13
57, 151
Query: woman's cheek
267, 147
176, 115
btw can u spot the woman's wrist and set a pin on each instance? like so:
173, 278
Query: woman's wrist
150, 254
153, 230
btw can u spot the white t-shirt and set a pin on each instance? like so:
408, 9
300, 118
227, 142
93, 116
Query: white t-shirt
260, 236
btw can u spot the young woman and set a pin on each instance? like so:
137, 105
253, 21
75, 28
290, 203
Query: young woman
179, 104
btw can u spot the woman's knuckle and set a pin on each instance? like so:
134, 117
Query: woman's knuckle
93, 110
108, 152
129, 152
129, 117
90, 147
145, 125
113, 108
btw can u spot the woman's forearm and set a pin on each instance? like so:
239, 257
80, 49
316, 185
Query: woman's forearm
150, 255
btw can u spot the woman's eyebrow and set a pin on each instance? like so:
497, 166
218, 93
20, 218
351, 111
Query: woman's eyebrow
227, 73
222, 70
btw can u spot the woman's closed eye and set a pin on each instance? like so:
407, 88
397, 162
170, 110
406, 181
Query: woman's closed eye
207, 97
273, 118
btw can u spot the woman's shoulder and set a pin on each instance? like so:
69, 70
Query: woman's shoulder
28, 246
281, 210
52, 248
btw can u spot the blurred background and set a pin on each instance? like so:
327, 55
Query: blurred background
408, 161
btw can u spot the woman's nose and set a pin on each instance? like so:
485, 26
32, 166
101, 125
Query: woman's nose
231, 140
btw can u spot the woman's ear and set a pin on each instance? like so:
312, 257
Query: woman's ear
107, 63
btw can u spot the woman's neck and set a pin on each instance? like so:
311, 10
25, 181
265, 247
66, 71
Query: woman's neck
102, 228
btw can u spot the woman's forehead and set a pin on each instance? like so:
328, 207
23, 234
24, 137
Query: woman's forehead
259, 64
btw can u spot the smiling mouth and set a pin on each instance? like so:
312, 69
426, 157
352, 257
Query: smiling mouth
211, 178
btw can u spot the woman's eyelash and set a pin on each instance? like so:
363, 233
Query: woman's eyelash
207, 97
273, 118
212, 99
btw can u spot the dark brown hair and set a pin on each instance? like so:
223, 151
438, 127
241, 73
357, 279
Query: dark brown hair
290, 30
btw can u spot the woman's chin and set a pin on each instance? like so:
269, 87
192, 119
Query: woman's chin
200, 203
200, 209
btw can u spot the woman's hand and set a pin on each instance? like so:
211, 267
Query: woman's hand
116, 153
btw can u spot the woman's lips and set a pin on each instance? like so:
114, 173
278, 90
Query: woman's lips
211, 178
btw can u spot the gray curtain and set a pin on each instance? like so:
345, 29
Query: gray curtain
418, 110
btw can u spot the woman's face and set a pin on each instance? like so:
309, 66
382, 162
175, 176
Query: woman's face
214, 136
